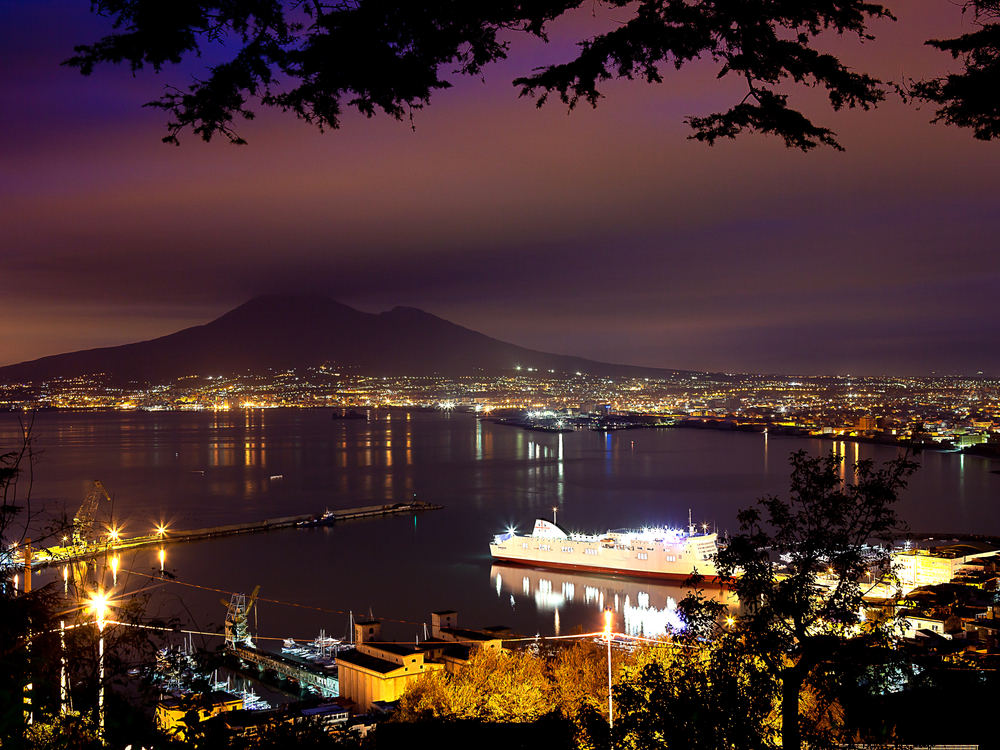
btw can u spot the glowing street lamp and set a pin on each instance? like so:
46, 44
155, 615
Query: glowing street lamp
608, 616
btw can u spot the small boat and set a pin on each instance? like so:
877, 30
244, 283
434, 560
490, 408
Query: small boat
350, 414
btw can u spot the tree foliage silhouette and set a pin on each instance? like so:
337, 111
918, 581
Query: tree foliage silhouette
971, 98
37, 655
315, 58
806, 628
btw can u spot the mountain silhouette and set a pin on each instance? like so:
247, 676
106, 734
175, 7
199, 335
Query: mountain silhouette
285, 332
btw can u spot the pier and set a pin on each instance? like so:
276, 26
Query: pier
55, 554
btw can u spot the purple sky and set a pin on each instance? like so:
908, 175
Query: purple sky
604, 233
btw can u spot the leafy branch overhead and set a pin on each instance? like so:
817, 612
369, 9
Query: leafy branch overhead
765, 44
315, 59
970, 99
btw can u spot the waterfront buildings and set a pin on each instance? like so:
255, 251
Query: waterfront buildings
929, 567
954, 411
379, 671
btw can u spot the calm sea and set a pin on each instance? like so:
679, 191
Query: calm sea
194, 470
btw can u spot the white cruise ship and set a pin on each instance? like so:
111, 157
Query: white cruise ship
651, 552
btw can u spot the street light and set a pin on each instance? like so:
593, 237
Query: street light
608, 615
99, 607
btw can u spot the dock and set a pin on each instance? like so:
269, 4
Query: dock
56, 555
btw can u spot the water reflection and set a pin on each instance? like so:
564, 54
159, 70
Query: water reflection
648, 608
192, 468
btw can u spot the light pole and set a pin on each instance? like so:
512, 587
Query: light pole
99, 606
607, 636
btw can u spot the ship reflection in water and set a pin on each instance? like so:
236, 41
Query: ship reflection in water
645, 608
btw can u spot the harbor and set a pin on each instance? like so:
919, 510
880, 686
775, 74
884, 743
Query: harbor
487, 476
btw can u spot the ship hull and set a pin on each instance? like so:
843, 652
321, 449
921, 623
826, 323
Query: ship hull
603, 570
665, 555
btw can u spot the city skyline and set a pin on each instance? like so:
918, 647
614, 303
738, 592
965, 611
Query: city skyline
605, 234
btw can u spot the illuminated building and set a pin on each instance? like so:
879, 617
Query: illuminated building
377, 670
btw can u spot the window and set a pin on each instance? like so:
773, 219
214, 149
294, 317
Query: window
642, 555
544, 547
590, 551
524, 544
567, 549
671, 558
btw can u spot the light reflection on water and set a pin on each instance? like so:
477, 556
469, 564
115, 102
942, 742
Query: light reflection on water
198, 470
646, 607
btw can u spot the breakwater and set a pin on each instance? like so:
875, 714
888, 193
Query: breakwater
53, 555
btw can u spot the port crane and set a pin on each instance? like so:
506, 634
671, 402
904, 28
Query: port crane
83, 521
237, 618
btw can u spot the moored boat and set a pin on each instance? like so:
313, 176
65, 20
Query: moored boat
647, 553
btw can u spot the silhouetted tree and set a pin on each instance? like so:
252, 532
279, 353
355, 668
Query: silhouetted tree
971, 98
313, 58
23, 616
805, 628
35, 653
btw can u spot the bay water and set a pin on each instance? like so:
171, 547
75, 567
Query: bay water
195, 469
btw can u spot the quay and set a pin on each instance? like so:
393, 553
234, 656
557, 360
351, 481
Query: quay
56, 554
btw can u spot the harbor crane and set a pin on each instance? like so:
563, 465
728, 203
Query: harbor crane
237, 618
83, 521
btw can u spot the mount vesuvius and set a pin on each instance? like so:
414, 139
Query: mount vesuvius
284, 332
